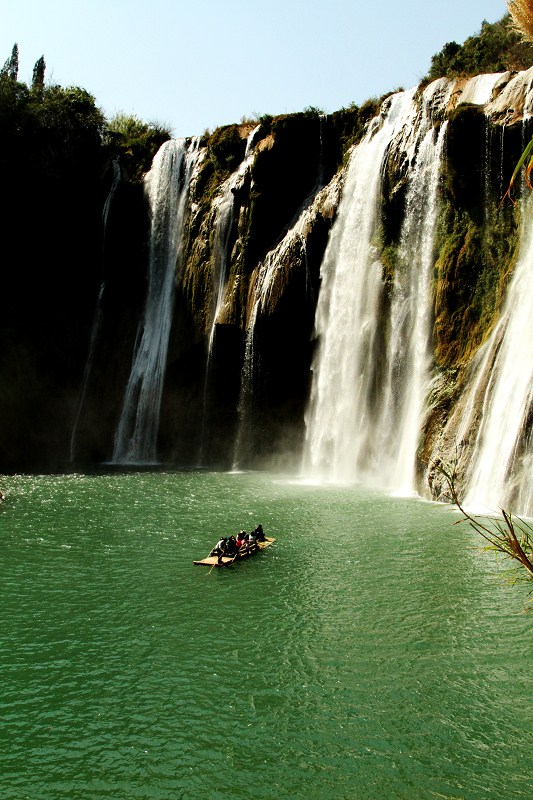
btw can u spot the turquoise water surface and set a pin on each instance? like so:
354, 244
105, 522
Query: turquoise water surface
373, 653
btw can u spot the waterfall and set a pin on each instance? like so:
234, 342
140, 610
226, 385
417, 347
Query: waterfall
245, 408
97, 318
109, 199
503, 452
478, 90
167, 186
410, 360
223, 227
371, 368
245, 404
492, 419
269, 279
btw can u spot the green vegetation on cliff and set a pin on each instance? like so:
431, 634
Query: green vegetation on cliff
496, 48
135, 141
476, 235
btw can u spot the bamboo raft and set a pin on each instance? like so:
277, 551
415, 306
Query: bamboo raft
212, 561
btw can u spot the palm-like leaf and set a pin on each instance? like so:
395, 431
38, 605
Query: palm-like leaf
521, 12
509, 535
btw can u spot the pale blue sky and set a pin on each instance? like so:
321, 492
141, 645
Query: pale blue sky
196, 65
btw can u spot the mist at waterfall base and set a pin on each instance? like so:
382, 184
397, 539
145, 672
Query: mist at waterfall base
374, 651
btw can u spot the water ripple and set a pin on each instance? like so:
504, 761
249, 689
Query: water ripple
369, 655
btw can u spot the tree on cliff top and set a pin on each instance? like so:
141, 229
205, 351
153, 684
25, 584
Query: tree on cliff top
39, 69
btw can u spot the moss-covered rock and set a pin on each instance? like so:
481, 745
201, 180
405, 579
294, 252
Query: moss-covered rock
476, 238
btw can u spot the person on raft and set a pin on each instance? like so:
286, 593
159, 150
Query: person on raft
259, 535
220, 549
231, 546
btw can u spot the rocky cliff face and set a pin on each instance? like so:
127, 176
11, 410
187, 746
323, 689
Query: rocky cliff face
241, 358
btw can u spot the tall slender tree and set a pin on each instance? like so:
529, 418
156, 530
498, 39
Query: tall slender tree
37, 83
11, 66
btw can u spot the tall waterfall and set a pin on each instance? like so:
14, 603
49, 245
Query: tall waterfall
409, 351
167, 186
371, 369
503, 453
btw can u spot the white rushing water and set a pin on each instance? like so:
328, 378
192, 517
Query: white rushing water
503, 454
224, 207
371, 369
410, 350
167, 186
478, 90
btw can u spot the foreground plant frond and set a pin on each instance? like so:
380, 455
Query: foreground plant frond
521, 12
509, 535
526, 159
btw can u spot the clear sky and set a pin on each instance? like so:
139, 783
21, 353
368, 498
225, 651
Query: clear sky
197, 65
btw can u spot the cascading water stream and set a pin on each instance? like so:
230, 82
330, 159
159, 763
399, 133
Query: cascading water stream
294, 242
244, 407
503, 453
167, 186
491, 433
97, 316
290, 247
348, 308
224, 221
265, 276
410, 358
478, 90
370, 371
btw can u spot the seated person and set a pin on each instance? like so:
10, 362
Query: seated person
259, 535
231, 546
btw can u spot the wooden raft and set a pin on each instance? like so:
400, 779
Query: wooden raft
212, 561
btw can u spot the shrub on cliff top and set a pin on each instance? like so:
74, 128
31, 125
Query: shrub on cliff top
135, 141
226, 148
496, 48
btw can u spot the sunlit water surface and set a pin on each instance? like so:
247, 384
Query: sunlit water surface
374, 652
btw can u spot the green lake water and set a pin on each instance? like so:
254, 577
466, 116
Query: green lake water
373, 653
